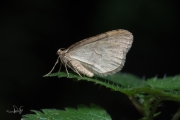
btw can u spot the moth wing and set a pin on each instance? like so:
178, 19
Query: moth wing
103, 54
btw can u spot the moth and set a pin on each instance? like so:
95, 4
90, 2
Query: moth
103, 54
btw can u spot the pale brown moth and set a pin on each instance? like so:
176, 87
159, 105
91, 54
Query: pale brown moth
103, 54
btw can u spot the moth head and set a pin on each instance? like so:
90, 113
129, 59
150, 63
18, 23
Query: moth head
61, 52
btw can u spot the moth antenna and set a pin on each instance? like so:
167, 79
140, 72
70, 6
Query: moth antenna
53, 67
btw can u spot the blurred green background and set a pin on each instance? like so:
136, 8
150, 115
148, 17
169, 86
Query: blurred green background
31, 32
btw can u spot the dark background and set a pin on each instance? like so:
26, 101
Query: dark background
31, 32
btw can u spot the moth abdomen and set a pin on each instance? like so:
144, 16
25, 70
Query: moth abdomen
78, 67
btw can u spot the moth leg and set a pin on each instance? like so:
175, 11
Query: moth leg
66, 70
60, 67
77, 72
79, 68
74, 69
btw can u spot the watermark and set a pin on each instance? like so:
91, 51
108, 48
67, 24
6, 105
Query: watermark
16, 110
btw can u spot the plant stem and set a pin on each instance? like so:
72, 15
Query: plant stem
137, 104
154, 108
177, 115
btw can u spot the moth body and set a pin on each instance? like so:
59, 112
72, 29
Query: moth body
103, 54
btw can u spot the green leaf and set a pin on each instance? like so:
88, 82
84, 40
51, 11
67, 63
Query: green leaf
167, 89
168, 83
118, 82
81, 113
145, 95
126, 80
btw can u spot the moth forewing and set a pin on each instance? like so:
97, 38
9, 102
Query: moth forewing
103, 54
